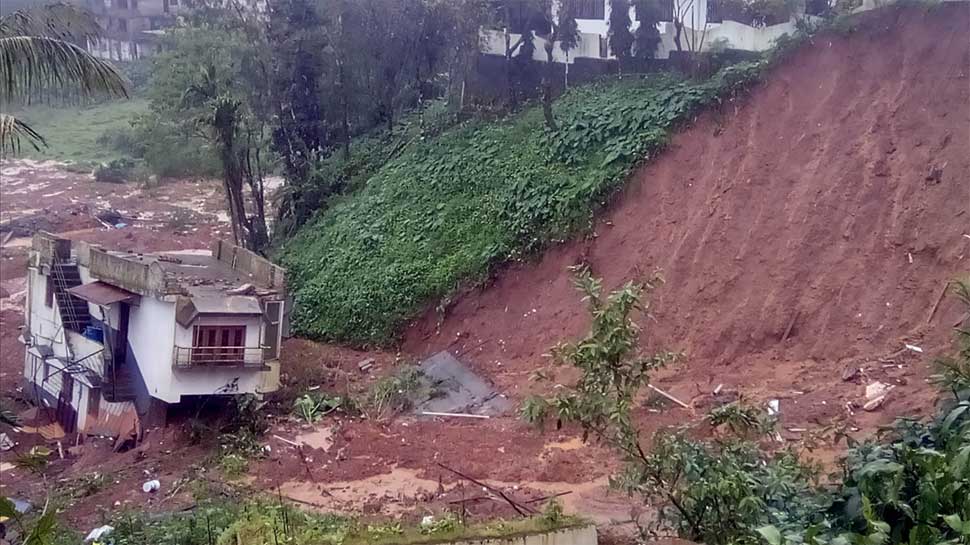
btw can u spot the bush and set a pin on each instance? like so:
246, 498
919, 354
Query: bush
395, 393
117, 171
164, 148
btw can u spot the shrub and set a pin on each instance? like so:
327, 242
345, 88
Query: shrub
395, 393
117, 171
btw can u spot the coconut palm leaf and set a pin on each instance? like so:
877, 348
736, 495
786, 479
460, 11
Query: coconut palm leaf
41, 49
31, 63
13, 131
59, 20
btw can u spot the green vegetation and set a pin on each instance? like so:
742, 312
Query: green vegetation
395, 393
447, 209
260, 522
908, 486
74, 133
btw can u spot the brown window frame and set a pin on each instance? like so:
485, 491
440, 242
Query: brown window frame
218, 344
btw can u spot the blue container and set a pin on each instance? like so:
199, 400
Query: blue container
94, 333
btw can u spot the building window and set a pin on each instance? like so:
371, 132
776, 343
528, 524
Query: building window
589, 9
123, 25
667, 11
714, 12
220, 345
273, 317
123, 4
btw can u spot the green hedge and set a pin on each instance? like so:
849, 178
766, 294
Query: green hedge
448, 208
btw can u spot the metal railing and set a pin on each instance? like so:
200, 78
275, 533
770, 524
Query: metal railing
217, 356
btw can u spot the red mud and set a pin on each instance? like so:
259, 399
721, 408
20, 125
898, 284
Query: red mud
809, 203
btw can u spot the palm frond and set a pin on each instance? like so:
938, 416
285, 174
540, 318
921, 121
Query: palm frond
58, 20
32, 63
13, 131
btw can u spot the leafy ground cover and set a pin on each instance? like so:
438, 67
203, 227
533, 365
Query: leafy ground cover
448, 208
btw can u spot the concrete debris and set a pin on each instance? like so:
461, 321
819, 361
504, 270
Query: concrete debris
458, 415
366, 364
914, 348
457, 389
717, 390
5, 442
850, 373
245, 289
428, 520
98, 533
151, 486
877, 389
774, 407
876, 395
668, 396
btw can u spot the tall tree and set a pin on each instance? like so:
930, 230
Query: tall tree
619, 36
568, 33
297, 46
557, 27
40, 50
647, 36
229, 127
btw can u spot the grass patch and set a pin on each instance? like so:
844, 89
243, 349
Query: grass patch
72, 132
449, 208
258, 522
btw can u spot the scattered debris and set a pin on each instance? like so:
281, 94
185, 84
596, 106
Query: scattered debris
939, 299
774, 407
914, 348
151, 486
851, 373
287, 441
876, 395
791, 324
5, 442
366, 364
459, 415
98, 533
245, 289
717, 389
668, 396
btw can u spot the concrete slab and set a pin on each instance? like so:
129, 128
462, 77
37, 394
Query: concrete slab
457, 389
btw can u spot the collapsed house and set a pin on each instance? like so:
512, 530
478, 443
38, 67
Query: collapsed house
113, 338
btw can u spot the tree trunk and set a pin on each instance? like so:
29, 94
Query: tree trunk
678, 29
344, 118
547, 87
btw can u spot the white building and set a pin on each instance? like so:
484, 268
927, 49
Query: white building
113, 338
703, 29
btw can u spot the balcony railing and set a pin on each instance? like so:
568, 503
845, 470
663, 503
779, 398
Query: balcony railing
201, 357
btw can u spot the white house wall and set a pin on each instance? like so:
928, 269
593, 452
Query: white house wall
151, 328
210, 380
45, 321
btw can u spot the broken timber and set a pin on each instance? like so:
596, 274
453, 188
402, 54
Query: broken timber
521, 509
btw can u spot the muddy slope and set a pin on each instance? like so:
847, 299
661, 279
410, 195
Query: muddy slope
832, 203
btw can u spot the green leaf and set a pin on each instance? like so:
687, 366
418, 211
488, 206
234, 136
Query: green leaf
7, 509
771, 534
